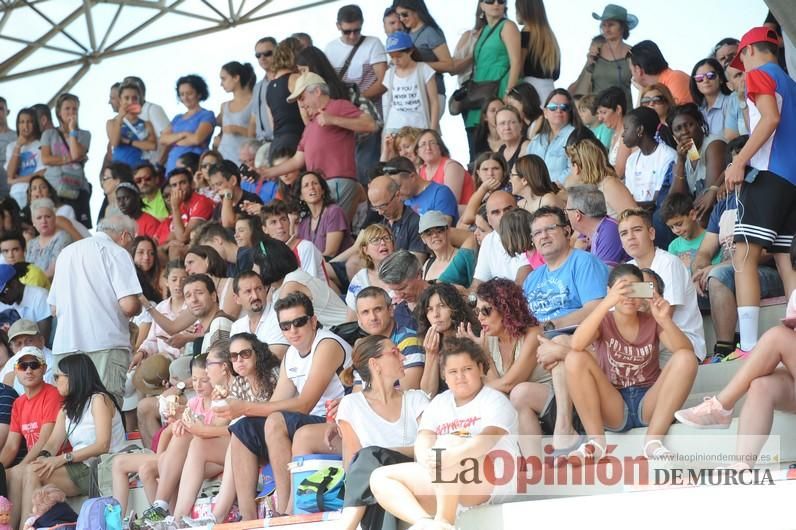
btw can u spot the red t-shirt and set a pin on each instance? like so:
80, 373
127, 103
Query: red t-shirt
147, 225
197, 207
330, 149
29, 415
629, 363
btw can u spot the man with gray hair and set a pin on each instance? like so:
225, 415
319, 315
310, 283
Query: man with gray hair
94, 294
328, 142
588, 216
400, 272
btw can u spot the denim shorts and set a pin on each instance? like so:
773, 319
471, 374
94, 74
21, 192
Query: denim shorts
770, 282
251, 429
634, 403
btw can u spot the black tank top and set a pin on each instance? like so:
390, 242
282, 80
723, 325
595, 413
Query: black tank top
287, 118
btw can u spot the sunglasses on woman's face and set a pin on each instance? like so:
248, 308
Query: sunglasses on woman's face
709, 76
563, 107
655, 100
299, 322
491, 2
243, 354
485, 311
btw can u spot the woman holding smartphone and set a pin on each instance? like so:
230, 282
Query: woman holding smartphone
620, 385
129, 135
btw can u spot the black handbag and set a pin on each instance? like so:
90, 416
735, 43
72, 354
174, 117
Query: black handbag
474, 94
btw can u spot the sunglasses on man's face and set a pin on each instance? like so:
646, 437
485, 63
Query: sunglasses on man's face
23, 366
350, 31
299, 322
268, 53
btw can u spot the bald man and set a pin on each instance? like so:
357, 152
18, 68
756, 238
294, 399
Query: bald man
493, 261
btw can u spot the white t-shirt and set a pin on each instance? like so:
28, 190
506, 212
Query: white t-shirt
679, 291
242, 326
310, 259
406, 102
489, 408
329, 308
644, 174
298, 370
373, 430
91, 276
357, 283
154, 114
33, 306
67, 211
360, 71
494, 261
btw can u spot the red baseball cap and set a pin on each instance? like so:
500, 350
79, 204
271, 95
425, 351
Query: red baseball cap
754, 35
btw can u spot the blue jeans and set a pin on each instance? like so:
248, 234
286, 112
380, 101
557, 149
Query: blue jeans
634, 403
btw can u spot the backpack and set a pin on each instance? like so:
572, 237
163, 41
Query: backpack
365, 105
101, 513
323, 491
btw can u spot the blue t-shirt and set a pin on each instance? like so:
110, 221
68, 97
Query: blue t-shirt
190, 124
127, 153
554, 294
435, 197
267, 190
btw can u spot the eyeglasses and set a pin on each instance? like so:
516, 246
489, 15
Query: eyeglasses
563, 107
546, 230
382, 207
269, 53
654, 100
483, 310
435, 230
23, 366
243, 354
350, 31
380, 240
403, 14
490, 2
299, 322
709, 76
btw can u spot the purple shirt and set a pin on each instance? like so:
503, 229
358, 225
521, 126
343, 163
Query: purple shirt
606, 245
332, 220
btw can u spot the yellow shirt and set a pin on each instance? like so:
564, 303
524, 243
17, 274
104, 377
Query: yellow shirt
35, 276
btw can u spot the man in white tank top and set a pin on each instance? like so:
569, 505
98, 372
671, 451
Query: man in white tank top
308, 378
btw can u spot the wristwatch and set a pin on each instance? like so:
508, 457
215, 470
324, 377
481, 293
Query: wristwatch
181, 388
69, 457
549, 326
228, 195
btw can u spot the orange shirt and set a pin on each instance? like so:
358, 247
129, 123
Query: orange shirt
677, 82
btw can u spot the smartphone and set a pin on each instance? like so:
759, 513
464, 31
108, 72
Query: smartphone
641, 290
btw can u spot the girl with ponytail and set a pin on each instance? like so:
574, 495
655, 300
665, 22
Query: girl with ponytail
235, 115
377, 426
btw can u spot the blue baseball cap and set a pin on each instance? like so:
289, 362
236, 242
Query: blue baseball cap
398, 42
7, 272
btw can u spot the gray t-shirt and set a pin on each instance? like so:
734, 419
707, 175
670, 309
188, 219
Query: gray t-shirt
259, 108
59, 148
5, 139
425, 40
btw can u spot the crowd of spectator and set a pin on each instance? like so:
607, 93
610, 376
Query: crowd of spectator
309, 270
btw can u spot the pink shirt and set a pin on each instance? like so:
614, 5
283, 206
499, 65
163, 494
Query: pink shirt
205, 415
629, 363
330, 149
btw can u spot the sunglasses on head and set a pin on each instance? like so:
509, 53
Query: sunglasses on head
243, 354
392, 170
350, 31
299, 322
563, 107
23, 366
483, 310
652, 101
710, 76
269, 53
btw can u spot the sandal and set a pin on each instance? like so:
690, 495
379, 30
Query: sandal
661, 452
589, 452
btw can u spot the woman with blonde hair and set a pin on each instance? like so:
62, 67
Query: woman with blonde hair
374, 244
285, 117
541, 56
590, 166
